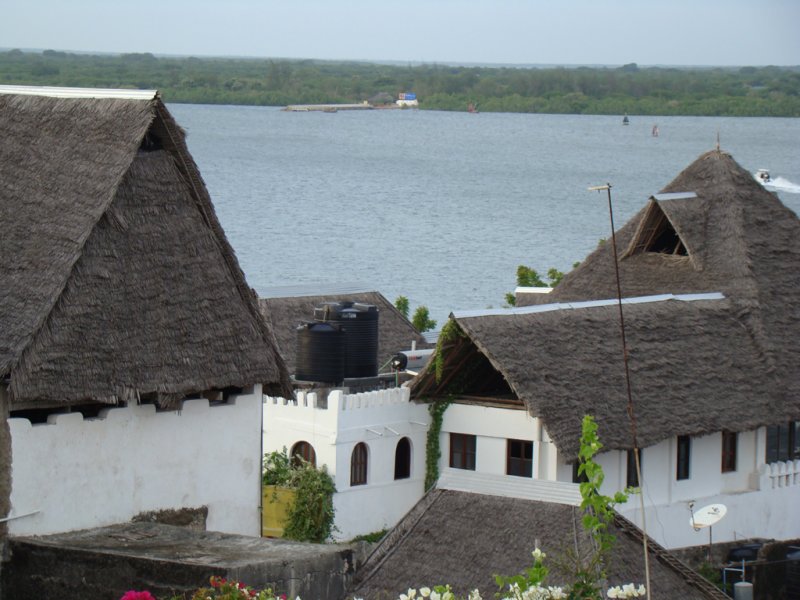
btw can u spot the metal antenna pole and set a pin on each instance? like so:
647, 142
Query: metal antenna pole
631, 415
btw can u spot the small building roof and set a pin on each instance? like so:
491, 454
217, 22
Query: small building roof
117, 279
287, 308
464, 539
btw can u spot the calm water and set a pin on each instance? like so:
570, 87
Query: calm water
442, 207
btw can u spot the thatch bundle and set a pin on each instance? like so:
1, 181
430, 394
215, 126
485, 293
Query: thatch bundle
117, 279
464, 539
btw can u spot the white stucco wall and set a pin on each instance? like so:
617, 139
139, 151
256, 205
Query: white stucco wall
81, 473
379, 419
492, 427
762, 500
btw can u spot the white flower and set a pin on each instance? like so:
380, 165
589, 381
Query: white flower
613, 592
475, 595
425, 591
436, 596
538, 554
642, 590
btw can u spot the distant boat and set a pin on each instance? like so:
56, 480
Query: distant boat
471, 108
625, 120
655, 130
763, 176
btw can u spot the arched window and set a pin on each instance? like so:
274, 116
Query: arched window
402, 459
358, 465
305, 451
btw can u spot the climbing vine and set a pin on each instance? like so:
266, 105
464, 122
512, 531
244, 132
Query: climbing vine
432, 450
311, 516
449, 332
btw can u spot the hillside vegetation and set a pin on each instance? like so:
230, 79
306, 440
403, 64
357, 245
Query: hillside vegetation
744, 91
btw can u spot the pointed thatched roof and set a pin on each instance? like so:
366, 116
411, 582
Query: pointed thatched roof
285, 309
464, 539
117, 279
697, 366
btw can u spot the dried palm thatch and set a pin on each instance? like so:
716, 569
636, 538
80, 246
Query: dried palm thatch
464, 539
117, 279
696, 367
285, 313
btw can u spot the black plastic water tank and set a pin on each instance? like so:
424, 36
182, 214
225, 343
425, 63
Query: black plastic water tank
320, 352
360, 324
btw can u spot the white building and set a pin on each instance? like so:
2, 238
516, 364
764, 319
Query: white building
132, 352
373, 445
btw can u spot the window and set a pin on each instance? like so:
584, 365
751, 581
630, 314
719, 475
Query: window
358, 465
402, 459
632, 475
783, 442
684, 456
462, 451
519, 458
729, 440
305, 451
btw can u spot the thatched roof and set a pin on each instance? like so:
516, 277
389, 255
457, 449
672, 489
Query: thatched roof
739, 240
117, 279
697, 366
464, 539
286, 309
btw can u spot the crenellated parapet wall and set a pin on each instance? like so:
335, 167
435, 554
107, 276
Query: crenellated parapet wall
74, 472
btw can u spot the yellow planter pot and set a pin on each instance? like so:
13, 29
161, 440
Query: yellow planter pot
275, 505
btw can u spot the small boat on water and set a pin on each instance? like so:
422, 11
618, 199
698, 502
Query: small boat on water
763, 176
471, 108
625, 120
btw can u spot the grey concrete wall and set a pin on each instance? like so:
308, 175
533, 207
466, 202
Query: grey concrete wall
103, 564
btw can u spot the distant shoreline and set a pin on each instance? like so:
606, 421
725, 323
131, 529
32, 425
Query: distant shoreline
576, 89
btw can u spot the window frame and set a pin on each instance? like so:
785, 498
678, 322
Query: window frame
463, 446
730, 444
304, 450
683, 458
519, 463
359, 464
782, 442
402, 464
631, 476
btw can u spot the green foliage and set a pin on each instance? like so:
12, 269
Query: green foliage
533, 576
449, 332
432, 450
631, 89
421, 320
598, 513
371, 538
311, 517
277, 469
527, 277
401, 304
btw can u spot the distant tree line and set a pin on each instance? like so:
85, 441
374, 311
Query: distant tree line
743, 91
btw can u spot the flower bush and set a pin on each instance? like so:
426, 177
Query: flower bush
134, 595
626, 591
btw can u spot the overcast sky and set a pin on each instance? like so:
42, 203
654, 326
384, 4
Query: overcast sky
612, 32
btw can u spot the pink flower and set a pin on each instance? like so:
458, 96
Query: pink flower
134, 595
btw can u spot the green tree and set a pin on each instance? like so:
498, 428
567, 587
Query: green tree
401, 304
421, 320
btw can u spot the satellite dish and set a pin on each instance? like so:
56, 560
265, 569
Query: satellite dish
707, 516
